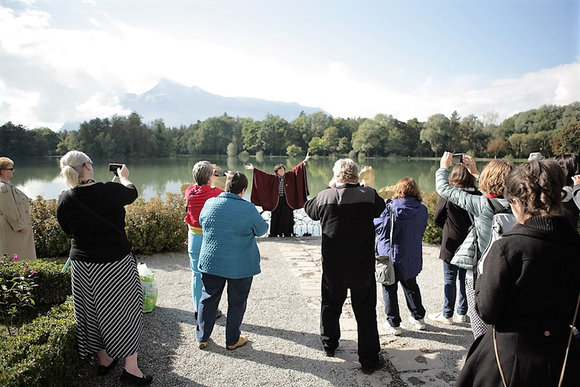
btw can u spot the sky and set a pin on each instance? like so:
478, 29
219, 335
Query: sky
71, 60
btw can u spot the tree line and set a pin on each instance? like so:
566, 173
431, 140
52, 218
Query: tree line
549, 129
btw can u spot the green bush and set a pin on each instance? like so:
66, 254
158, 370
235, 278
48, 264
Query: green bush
49, 239
48, 287
432, 233
44, 353
156, 226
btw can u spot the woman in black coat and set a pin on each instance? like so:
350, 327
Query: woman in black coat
529, 290
455, 222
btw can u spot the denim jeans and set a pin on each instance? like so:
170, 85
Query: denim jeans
450, 275
412, 296
213, 287
193, 249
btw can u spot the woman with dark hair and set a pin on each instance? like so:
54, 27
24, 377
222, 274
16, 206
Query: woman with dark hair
406, 249
529, 290
229, 254
455, 222
570, 164
107, 294
481, 208
281, 193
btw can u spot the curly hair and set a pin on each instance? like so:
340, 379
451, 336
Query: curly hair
345, 170
493, 177
461, 178
538, 186
407, 187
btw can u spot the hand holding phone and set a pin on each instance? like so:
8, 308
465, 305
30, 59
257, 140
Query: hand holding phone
113, 167
457, 158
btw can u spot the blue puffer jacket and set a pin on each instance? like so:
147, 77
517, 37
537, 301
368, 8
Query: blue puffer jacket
230, 225
410, 223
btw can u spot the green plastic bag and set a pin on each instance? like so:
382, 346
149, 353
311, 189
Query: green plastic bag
149, 285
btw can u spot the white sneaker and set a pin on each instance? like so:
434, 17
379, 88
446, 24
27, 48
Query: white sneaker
418, 324
396, 331
438, 317
461, 318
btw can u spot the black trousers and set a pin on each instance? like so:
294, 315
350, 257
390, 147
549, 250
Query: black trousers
364, 301
282, 221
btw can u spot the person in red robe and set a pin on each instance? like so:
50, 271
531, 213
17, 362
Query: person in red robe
281, 193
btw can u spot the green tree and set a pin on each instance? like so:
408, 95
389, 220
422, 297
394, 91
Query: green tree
370, 138
316, 146
567, 139
272, 131
437, 132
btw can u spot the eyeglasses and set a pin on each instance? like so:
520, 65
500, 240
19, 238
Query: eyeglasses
8, 169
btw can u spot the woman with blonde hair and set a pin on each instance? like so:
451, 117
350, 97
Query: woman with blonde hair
16, 234
409, 217
107, 294
492, 181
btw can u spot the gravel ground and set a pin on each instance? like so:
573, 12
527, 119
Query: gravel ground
282, 323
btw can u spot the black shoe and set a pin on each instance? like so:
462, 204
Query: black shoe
104, 370
369, 369
329, 351
127, 378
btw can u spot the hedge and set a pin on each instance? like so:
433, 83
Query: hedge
152, 227
43, 353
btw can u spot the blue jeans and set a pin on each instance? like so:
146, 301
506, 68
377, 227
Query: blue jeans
213, 287
412, 296
193, 248
450, 274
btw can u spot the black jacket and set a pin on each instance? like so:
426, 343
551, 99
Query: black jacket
529, 290
455, 222
346, 215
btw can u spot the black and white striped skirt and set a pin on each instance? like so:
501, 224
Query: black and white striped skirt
108, 307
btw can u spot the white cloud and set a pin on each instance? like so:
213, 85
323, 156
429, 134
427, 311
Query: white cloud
79, 74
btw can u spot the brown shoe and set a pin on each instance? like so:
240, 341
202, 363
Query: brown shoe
241, 342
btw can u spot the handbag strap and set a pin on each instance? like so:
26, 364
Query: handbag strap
392, 218
497, 358
569, 341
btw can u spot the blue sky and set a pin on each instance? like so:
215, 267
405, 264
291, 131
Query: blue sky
65, 60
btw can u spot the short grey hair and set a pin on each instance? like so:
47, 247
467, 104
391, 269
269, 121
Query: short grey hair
202, 171
71, 166
345, 170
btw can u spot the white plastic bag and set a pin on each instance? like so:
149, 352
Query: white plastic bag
149, 285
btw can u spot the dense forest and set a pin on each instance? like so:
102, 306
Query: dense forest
549, 129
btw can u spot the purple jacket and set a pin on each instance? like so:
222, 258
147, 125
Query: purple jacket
410, 223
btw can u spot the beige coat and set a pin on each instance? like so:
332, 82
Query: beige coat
16, 234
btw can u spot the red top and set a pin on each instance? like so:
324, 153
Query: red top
196, 202
265, 188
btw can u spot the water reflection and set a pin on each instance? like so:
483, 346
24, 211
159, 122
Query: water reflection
155, 177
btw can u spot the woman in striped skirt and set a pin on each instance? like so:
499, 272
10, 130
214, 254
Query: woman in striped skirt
105, 282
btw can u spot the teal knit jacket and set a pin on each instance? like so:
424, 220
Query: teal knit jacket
230, 226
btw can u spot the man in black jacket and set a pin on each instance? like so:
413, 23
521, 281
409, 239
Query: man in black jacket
346, 212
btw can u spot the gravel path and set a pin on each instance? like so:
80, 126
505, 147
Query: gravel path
282, 323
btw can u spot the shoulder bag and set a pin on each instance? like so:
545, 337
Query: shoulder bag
385, 269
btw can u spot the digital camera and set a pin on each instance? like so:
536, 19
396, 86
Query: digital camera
114, 166
457, 158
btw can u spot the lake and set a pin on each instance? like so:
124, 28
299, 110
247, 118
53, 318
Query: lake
155, 177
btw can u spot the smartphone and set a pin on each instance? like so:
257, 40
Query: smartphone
457, 158
219, 172
114, 166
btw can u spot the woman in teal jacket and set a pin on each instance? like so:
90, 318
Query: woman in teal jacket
492, 181
229, 253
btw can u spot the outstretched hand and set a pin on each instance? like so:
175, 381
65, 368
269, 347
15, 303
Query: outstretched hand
249, 166
306, 158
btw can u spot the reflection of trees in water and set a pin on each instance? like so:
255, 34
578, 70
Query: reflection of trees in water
158, 175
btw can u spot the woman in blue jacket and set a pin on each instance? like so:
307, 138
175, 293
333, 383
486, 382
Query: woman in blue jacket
229, 253
410, 220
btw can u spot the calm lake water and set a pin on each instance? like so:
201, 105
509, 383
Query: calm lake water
155, 177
